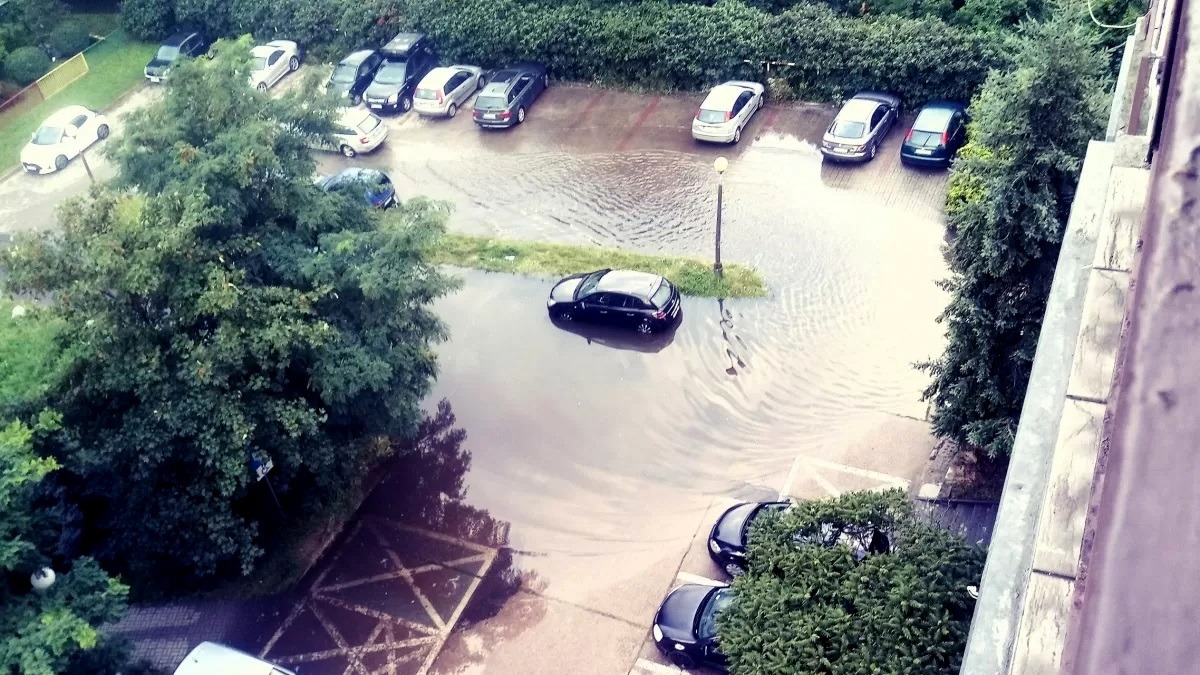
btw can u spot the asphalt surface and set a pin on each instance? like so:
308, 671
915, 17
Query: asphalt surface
589, 465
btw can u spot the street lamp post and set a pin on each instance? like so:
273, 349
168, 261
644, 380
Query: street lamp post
721, 164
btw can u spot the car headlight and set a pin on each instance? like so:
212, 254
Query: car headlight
394, 97
657, 633
550, 302
714, 546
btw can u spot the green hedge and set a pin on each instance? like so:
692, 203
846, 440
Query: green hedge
656, 44
27, 64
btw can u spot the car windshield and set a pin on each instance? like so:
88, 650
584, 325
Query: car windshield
167, 53
427, 94
258, 63
392, 73
662, 295
712, 116
490, 103
344, 74
47, 135
706, 626
588, 284
845, 129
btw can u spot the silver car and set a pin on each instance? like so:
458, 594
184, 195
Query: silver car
444, 90
860, 127
270, 62
727, 110
354, 132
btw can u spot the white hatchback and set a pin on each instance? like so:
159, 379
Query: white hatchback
727, 110
62, 137
444, 90
355, 131
210, 658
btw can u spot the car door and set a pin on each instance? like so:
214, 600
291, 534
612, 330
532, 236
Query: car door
878, 126
741, 108
78, 135
633, 309
455, 87
275, 66
523, 88
958, 135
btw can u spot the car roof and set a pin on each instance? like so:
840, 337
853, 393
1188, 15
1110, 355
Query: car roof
356, 57
722, 96
264, 50
64, 115
438, 76
638, 284
178, 36
352, 116
209, 658
858, 109
348, 175
936, 116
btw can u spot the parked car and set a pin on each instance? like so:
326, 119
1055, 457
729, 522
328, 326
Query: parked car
351, 77
210, 658
354, 132
644, 301
860, 126
406, 59
270, 62
184, 43
62, 137
727, 110
509, 94
936, 135
727, 541
374, 186
444, 90
685, 628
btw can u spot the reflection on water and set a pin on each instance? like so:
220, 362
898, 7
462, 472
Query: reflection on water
615, 337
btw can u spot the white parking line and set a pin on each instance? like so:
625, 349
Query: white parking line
886, 480
697, 579
652, 667
824, 482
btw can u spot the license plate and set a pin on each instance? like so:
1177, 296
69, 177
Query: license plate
841, 150
489, 116
377, 106
156, 80
924, 151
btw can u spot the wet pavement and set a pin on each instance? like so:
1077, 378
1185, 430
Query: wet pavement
582, 467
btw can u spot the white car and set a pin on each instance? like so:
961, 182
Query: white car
727, 110
444, 90
270, 62
355, 131
62, 137
210, 658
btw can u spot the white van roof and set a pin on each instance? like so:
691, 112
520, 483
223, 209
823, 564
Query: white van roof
210, 658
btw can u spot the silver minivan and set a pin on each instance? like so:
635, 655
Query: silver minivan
446, 89
210, 658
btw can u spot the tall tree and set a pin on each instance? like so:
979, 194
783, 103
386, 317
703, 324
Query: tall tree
1010, 195
814, 600
226, 311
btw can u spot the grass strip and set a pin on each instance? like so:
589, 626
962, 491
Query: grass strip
691, 276
114, 67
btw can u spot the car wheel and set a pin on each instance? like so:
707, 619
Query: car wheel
874, 149
60, 162
564, 315
348, 151
683, 661
355, 99
645, 328
452, 110
293, 64
102, 131
262, 86
520, 115
737, 134
734, 571
406, 103
761, 100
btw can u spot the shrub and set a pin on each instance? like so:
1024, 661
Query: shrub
69, 38
148, 19
26, 64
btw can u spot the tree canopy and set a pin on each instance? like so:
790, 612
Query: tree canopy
809, 603
218, 309
1010, 195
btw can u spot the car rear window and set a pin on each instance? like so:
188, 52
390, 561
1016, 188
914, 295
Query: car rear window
426, 94
490, 102
712, 116
662, 295
368, 125
925, 139
844, 129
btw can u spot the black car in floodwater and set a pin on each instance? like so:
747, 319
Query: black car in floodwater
374, 186
685, 628
647, 302
353, 74
727, 541
406, 59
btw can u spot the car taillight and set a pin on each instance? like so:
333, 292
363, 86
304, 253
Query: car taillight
945, 138
363, 139
728, 116
908, 136
660, 315
505, 115
440, 99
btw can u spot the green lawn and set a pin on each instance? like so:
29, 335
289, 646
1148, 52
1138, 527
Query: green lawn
29, 359
115, 66
693, 277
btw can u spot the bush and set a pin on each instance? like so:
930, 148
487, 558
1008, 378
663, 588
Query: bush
26, 64
69, 38
148, 19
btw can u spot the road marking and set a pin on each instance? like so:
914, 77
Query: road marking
887, 480
697, 579
824, 482
587, 110
641, 119
653, 667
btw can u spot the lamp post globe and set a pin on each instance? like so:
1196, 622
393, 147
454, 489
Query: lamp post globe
42, 579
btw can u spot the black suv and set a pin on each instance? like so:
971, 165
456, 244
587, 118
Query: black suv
406, 59
509, 93
190, 43
353, 75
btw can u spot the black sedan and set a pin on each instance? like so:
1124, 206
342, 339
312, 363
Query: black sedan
685, 628
643, 301
509, 94
727, 541
374, 186
936, 135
